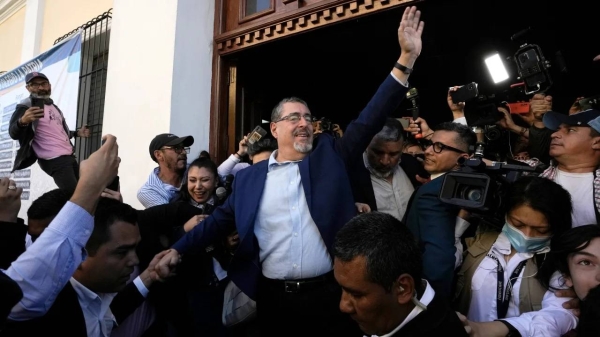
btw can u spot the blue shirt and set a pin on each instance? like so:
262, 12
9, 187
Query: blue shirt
290, 244
46, 266
156, 192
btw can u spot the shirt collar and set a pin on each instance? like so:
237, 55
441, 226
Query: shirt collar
158, 181
425, 300
98, 304
273, 162
437, 175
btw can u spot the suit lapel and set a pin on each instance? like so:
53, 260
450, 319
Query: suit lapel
250, 193
306, 182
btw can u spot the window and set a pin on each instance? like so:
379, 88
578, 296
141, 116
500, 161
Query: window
252, 9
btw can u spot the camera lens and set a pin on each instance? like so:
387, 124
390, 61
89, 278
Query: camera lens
471, 193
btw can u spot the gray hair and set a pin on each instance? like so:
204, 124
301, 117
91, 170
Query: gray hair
276, 113
391, 132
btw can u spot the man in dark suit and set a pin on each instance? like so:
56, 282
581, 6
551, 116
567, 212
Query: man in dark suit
288, 209
378, 265
432, 221
384, 178
97, 296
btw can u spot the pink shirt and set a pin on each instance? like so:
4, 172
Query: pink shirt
50, 139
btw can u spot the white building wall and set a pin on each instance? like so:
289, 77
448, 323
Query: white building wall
159, 80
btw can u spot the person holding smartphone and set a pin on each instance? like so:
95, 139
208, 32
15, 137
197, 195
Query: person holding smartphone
43, 134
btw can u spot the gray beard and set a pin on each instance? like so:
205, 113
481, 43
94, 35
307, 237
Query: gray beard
381, 175
303, 148
40, 96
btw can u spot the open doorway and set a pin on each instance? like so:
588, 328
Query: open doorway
337, 69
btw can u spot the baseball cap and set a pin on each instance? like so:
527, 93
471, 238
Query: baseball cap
595, 124
33, 75
168, 139
552, 120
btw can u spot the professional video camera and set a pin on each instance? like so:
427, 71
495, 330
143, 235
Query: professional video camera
482, 189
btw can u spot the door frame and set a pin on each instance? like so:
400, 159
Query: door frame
222, 137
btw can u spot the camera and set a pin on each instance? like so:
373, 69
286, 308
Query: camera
532, 66
482, 189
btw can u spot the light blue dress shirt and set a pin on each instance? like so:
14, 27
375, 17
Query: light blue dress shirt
47, 265
291, 246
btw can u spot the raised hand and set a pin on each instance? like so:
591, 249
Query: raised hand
410, 31
10, 200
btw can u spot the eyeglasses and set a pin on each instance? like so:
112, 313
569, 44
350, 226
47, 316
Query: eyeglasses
439, 147
177, 149
295, 118
37, 85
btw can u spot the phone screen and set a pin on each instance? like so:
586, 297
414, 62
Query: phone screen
256, 134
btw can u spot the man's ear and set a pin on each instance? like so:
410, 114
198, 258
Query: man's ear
273, 127
596, 143
404, 288
158, 155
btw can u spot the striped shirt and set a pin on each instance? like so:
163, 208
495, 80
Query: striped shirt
156, 192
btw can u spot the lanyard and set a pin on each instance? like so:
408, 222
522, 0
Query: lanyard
502, 302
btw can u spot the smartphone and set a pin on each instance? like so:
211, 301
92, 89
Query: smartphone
114, 185
465, 93
37, 102
256, 134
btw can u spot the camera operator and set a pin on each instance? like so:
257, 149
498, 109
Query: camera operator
575, 149
537, 135
432, 221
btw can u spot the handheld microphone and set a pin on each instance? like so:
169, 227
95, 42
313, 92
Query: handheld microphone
221, 193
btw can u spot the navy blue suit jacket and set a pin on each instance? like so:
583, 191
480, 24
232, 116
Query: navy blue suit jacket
325, 182
432, 222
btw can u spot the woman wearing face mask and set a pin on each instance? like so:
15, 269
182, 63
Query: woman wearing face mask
499, 289
576, 255
191, 302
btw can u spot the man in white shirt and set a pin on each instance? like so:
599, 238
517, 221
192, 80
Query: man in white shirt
381, 179
378, 265
575, 149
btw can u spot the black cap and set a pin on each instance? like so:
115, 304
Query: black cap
33, 75
168, 139
553, 120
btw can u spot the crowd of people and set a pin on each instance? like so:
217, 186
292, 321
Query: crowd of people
305, 231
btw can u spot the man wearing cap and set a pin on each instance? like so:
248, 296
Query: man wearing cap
43, 134
575, 148
170, 152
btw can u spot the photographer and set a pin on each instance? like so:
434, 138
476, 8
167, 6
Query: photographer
537, 135
432, 221
499, 287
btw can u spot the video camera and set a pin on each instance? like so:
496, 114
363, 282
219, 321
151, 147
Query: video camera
482, 189
533, 76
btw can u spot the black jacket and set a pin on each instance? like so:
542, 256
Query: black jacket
438, 320
65, 317
25, 155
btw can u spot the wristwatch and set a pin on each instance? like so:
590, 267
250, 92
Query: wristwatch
403, 69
